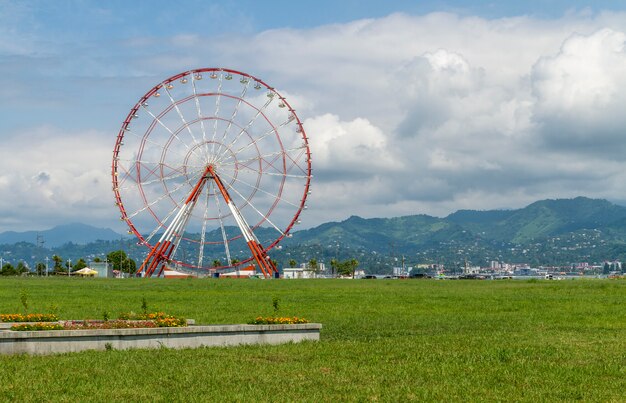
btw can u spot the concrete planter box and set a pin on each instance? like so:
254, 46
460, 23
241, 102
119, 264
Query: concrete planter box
63, 341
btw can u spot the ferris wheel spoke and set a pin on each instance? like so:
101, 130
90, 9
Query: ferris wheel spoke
180, 114
158, 179
283, 175
257, 140
217, 113
161, 224
204, 224
233, 116
227, 162
220, 217
170, 131
269, 163
173, 210
158, 199
257, 188
263, 216
199, 112
288, 167
246, 127
146, 140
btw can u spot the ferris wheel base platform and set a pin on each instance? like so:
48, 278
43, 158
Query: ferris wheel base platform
64, 341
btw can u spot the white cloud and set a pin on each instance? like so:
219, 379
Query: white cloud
580, 95
55, 176
344, 149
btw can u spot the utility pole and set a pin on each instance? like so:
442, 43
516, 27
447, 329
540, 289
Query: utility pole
47, 258
69, 268
40, 243
121, 253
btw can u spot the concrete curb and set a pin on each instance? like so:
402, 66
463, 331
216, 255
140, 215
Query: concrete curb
63, 341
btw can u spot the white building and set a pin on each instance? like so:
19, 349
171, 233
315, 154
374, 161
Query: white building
298, 272
103, 269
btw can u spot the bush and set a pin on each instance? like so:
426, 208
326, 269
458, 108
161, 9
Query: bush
31, 317
37, 326
272, 320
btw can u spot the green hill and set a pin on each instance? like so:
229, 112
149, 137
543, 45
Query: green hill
547, 232
538, 220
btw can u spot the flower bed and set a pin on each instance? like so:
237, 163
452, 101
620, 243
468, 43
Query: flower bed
143, 316
30, 317
126, 321
273, 320
24, 327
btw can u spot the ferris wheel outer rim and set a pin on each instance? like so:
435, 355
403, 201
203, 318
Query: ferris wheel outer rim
119, 141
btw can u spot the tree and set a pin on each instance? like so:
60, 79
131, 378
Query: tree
292, 263
58, 264
8, 270
21, 268
97, 260
40, 268
80, 264
607, 268
334, 265
217, 263
347, 267
313, 266
121, 262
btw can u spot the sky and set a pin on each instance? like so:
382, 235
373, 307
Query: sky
411, 107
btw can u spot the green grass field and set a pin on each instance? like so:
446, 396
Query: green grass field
385, 340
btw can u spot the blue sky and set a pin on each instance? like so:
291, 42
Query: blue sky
411, 106
92, 20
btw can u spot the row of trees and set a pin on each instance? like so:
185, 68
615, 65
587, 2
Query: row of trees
9, 270
118, 260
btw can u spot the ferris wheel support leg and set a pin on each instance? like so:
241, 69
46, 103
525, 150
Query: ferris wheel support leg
144, 266
262, 259
160, 254
157, 256
166, 255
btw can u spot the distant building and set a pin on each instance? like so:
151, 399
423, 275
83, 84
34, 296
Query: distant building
360, 273
103, 269
525, 271
169, 273
241, 272
298, 272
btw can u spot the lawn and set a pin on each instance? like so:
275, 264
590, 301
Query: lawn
385, 340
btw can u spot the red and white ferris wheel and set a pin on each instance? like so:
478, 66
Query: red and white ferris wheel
211, 169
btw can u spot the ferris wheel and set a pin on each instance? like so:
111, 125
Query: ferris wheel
211, 169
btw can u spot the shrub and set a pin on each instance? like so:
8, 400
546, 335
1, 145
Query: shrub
30, 317
143, 316
37, 326
273, 320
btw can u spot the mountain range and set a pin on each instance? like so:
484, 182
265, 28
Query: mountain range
539, 220
545, 232
76, 233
